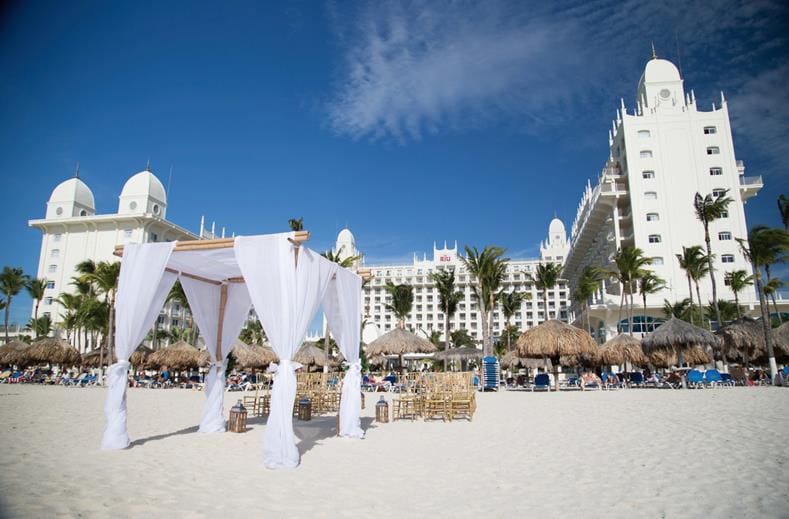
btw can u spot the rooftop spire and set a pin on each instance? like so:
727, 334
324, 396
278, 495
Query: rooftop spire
654, 54
76, 171
148, 165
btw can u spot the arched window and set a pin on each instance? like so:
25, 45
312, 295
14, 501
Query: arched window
644, 134
650, 195
646, 154
653, 217
648, 174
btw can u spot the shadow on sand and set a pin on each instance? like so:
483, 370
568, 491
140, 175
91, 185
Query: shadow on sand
143, 441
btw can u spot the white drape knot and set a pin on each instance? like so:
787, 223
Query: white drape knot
355, 366
220, 366
284, 366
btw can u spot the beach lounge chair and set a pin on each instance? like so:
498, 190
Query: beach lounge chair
4, 375
542, 382
89, 380
636, 379
695, 379
712, 378
726, 380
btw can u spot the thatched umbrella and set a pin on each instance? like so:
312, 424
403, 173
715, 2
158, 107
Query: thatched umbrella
512, 360
377, 360
397, 342
140, 355
622, 349
465, 353
91, 359
781, 341
587, 360
554, 339
13, 352
52, 351
311, 355
666, 357
179, 356
253, 356
680, 338
743, 338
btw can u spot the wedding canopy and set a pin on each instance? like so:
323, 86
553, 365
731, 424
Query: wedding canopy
284, 281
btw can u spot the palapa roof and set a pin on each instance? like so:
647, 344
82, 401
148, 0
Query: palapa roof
253, 356
588, 359
676, 333
310, 354
52, 351
399, 341
13, 352
465, 353
91, 359
180, 355
512, 360
623, 348
668, 357
377, 360
781, 335
555, 339
140, 355
742, 338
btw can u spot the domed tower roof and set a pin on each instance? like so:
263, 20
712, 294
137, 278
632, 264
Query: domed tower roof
346, 237
71, 198
345, 247
556, 226
143, 193
660, 84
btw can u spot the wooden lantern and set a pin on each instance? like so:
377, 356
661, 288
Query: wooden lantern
305, 409
382, 411
238, 418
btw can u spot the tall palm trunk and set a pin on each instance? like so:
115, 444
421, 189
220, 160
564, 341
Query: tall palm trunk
737, 304
621, 304
630, 309
485, 338
644, 322
690, 293
446, 337
701, 310
772, 295
768, 336
35, 317
7, 309
712, 277
545, 302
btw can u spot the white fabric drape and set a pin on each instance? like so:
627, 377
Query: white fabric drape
143, 286
285, 299
204, 301
342, 306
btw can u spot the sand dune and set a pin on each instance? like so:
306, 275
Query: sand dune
712, 453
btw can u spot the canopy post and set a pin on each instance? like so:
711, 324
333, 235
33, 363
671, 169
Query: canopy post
222, 303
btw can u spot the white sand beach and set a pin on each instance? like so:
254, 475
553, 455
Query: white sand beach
644, 453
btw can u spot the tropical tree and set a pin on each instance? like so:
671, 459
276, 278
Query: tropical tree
36, 287
448, 300
630, 262
588, 284
680, 309
177, 295
402, 301
510, 305
770, 289
435, 338
649, 283
296, 224
105, 278
783, 208
461, 338
761, 247
253, 333
689, 261
546, 275
698, 271
488, 268
509, 335
708, 209
728, 310
738, 281
12, 281
41, 326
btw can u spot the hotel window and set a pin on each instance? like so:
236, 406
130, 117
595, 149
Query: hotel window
716, 172
724, 213
52, 268
47, 300
646, 154
653, 217
727, 258
713, 150
646, 175
644, 134
50, 285
650, 195
56, 237
710, 130
127, 233
55, 253
654, 238
657, 260
724, 235
718, 192
175, 322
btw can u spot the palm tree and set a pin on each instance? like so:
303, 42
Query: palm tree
545, 278
761, 247
588, 285
688, 262
488, 268
510, 305
770, 289
708, 209
36, 287
728, 310
12, 281
41, 325
461, 337
296, 224
649, 283
435, 338
783, 208
698, 270
105, 278
253, 333
630, 262
680, 309
448, 300
71, 303
402, 301
738, 281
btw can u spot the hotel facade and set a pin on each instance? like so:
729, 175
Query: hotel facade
661, 153
426, 316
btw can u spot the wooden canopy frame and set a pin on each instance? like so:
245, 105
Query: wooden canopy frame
226, 243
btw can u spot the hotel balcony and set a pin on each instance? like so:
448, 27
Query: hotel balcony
750, 186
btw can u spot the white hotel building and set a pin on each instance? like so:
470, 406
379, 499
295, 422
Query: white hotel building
72, 232
662, 153
426, 315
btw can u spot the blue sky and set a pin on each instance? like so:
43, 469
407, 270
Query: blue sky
408, 121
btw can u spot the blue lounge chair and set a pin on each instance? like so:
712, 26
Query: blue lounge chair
726, 380
542, 382
695, 379
636, 379
712, 378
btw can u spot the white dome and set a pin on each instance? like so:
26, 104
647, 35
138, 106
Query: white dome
73, 190
660, 71
557, 226
346, 237
144, 184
